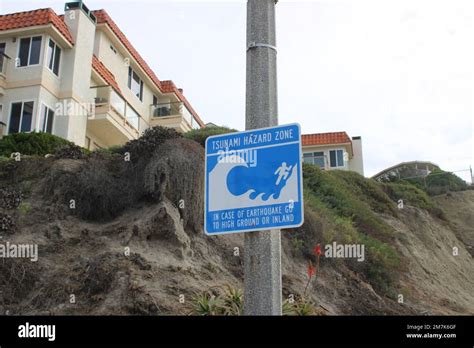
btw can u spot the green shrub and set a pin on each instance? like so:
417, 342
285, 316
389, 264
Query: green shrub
114, 152
300, 307
228, 302
200, 135
24, 208
206, 304
150, 140
439, 182
31, 144
412, 195
71, 151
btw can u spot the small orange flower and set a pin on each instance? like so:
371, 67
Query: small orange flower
317, 250
311, 269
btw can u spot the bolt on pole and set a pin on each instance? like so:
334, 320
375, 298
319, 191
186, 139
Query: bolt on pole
262, 255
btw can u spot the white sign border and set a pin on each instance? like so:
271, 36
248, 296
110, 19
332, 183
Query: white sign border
300, 178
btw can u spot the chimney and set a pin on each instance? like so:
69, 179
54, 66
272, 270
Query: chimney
357, 162
181, 90
78, 61
76, 72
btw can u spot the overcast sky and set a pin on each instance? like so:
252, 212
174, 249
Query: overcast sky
398, 73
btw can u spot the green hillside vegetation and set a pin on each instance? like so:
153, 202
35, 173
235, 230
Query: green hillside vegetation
348, 202
412, 195
439, 182
343, 206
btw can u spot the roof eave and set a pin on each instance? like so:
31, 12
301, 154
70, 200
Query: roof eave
39, 29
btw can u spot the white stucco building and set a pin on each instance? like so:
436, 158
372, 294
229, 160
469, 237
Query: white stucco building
334, 151
77, 76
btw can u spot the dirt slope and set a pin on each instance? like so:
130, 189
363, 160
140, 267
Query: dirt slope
151, 257
437, 282
459, 208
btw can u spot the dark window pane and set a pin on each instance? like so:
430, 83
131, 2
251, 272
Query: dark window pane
49, 127
319, 153
332, 158
43, 117
27, 117
308, 160
15, 118
155, 100
35, 50
134, 83
57, 57
24, 51
308, 154
50, 54
135, 77
340, 158
2, 47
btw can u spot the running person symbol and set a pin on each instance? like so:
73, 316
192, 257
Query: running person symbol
283, 171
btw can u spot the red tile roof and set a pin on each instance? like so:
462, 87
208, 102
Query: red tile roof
325, 138
35, 18
105, 73
164, 86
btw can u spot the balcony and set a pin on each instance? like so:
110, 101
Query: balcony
172, 114
114, 121
3, 68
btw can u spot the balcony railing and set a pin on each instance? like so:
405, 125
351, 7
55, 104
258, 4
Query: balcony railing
106, 98
167, 109
174, 109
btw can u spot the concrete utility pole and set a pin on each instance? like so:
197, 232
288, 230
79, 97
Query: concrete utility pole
262, 254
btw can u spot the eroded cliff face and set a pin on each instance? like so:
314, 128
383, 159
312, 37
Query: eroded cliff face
125, 237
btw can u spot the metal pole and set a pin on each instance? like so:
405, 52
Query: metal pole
262, 254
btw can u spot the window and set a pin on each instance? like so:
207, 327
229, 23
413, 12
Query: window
135, 83
155, 100
336, 158
2, 56
2, 124
20, 117
54, 57
46, 120
316, 158
29, 51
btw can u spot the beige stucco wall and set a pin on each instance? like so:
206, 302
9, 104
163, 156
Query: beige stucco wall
24, 94
326, 150
357, 163
117, 64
